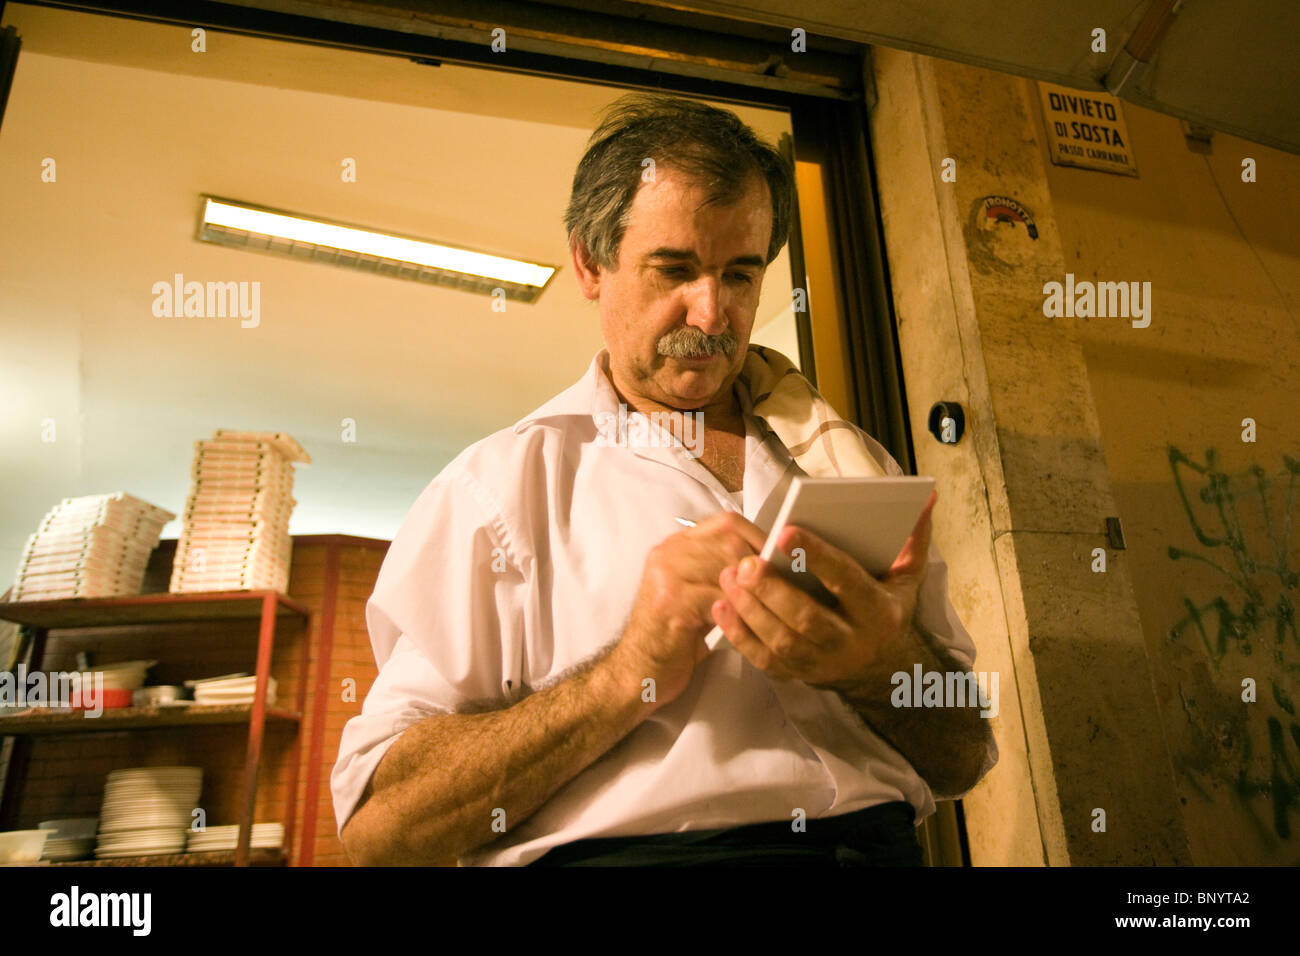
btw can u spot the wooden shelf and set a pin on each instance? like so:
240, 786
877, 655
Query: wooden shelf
45, 720
214, 858
148, 609
222, 625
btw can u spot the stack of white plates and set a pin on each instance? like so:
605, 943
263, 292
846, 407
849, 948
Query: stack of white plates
95, 546
147, 810
72, 839
235, 689
265, 836
235, 529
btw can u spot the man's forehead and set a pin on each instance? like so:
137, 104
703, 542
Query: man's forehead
687, 254
657, 225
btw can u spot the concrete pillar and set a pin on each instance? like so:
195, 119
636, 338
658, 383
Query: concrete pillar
1024, 497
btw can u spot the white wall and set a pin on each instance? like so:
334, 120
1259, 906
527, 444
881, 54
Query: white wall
423, 371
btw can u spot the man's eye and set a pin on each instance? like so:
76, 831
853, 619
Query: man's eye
679, 271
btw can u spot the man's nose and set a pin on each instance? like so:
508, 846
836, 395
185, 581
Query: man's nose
706, 312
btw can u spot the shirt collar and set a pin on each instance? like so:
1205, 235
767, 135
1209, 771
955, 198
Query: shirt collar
773, 467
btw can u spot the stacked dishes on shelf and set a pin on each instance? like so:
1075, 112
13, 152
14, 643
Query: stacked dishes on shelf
265, 836
235, 529
235, 689
147, 810
94, 546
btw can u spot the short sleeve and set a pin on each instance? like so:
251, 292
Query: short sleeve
445, 622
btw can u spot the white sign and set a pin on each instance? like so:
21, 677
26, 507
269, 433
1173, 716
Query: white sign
1086, 129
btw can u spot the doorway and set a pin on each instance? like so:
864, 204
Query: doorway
342, 85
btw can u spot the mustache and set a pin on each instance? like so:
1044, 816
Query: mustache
690, 342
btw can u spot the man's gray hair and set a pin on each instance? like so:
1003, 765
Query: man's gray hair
711, 146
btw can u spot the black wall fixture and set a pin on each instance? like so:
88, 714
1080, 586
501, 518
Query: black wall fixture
940, 413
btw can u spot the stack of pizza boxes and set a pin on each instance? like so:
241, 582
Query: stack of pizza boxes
235, 527
92, 546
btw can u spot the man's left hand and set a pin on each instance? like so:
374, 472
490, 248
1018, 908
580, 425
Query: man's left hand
789, 634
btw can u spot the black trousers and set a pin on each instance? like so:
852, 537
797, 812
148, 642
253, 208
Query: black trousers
882, 835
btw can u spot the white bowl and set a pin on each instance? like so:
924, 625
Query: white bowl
132, 680
23, 846
127, 675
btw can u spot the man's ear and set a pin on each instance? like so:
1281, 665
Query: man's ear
585, 268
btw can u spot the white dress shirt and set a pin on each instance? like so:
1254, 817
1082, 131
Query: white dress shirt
569, 521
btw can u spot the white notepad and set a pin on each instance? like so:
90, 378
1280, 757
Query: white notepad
869, 518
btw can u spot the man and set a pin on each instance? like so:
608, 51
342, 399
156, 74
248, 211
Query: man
545, 694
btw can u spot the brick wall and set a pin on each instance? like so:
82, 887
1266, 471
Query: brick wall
356, 563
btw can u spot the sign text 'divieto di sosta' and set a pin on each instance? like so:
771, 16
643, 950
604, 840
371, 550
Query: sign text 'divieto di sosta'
1086, 129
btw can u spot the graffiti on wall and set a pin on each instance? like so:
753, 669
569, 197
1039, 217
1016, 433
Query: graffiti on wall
1243, 708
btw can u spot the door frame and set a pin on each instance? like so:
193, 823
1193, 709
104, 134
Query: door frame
851, 351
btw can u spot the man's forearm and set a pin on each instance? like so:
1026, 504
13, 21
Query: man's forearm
437, 790
946, 745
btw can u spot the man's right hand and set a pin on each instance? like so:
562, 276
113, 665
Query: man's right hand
446, 776
671, 616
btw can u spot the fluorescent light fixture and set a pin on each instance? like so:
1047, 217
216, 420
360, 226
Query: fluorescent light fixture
262, 229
